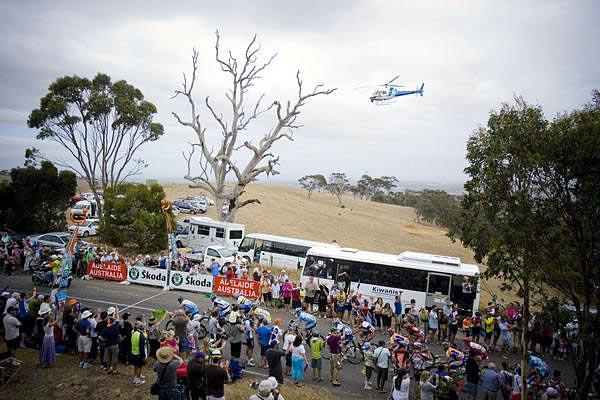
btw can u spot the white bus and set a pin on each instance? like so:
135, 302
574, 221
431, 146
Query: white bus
429, 279
200, 232
279, 251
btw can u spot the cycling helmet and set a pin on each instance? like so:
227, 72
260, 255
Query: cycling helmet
366, 346
213, 296
445, 344
391, 331
365, 324
180, 299
335, 321
298, 310
417, 344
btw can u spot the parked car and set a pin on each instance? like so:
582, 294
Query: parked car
201, 199
189, 206
175, 210
52, 239
222, 255
89, 228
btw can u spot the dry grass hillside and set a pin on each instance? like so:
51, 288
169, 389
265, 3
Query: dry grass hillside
362, 224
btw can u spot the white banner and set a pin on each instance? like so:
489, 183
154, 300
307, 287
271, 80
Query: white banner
147, 276
195, 283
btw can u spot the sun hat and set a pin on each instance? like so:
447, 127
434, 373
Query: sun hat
216, 354
164, 354
5, 294
264, 388
86, 314
44, 309
40, 297
273, 382
111, 310
72, 302
152, 320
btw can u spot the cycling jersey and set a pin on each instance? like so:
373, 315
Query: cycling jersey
536, 362
398, 338
347, 331
263, 314
222, 305
451, 352
189, 306
241, 300
310, 321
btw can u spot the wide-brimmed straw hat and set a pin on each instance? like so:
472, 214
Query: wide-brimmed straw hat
164, 354
44, 309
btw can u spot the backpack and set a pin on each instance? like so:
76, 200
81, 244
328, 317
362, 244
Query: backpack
443, 319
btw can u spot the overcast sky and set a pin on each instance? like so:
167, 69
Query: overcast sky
472, 56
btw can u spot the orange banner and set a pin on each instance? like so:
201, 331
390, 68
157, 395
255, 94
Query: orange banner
229, 287
107, 270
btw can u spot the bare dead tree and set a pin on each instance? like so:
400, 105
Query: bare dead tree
220, 174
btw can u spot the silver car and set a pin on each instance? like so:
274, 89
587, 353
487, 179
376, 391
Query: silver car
52, 239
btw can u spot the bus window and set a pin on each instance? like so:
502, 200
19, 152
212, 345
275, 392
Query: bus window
220, 233
237, 234
203, 230
247, 245
266, 246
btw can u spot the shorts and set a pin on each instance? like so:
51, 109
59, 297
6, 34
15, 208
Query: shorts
250, 343
382, 374
288, 360
309, 300
315, 363
184, 344
236, 349
472, 388
84, 344
310, 325
137, 360
263, 349
296, 304
287, 300
453, 328
13, 344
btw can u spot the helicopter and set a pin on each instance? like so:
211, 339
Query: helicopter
390, 92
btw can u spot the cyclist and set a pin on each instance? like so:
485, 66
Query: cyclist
476, 348
455, 356
261, 314
221, 305
366, 331
537, 362
244, 303
188, 306
344, 330
310, 321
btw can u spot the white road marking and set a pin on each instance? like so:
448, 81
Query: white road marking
141, 301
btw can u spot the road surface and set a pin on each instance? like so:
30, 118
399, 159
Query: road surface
141, 299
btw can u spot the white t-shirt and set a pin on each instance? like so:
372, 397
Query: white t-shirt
382, 357
11, 327
275, 290
248, 329
93, 325
298, 351
403, 393
288, 339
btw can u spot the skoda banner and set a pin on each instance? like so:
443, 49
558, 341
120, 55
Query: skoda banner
195, 283
147, 276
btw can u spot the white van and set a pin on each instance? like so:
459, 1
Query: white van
90, 206
200, 232
222, 255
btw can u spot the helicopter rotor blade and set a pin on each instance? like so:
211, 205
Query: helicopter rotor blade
393, 79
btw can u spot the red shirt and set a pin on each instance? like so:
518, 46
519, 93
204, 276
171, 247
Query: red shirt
296, 294
229, 273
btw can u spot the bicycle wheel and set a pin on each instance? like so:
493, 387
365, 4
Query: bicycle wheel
353, 354
325, 354
202, 332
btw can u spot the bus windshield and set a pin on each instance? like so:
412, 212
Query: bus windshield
246, 245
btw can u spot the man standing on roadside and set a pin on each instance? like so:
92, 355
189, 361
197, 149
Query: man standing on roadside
214, 267
311, 289
382, 360
490, 380
273, 356
335, 363
472, 376
11, 330
84, 341
216, 378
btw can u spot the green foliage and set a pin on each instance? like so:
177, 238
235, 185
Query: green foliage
35, 200
367, 187
134, 219
312, 183
532, 212
338, 185
100, 124
432, 206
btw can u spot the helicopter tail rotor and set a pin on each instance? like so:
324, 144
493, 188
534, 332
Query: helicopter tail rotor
420, 90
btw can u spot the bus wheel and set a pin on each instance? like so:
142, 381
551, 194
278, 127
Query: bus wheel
247, 259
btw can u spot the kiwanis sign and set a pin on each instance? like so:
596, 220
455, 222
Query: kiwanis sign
107, 270
147, 276
195, 283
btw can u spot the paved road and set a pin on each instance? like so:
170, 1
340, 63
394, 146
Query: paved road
143, 299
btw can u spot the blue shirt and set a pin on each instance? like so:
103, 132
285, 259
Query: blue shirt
83, 327
398, 307
264, 335
111, 334
490, 380
214, 269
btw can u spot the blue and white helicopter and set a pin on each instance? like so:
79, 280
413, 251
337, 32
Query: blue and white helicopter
390, 92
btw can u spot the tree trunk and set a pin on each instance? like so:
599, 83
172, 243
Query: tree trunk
524, 328
339, 198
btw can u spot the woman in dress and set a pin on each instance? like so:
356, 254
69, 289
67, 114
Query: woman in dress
298, 361
401, 385
48, 350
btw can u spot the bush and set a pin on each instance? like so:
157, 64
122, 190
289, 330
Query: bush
35, 200
133, 218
